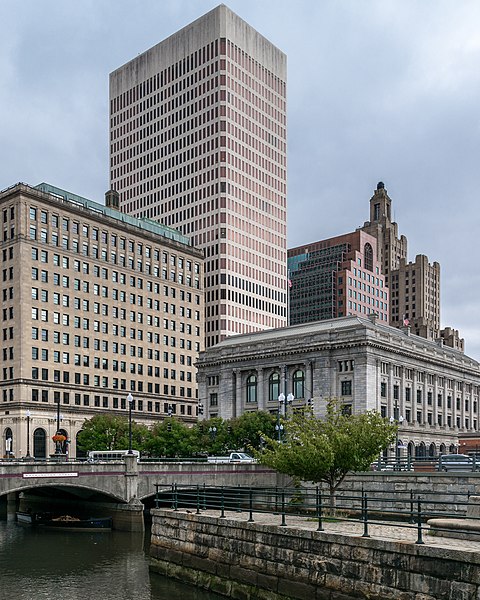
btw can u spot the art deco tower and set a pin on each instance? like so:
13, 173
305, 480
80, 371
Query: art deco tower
198, 142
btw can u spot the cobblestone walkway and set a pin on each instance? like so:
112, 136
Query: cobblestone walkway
385, 531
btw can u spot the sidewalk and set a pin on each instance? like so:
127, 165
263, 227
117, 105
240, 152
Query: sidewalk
385, 531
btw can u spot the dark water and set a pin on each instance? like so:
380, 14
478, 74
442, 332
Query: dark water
38, 564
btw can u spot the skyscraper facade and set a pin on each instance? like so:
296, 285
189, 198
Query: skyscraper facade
336, 277
198, 143
414, 286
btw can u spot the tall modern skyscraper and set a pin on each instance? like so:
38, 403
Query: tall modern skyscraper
198, 143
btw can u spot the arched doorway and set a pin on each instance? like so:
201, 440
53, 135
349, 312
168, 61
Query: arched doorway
420, 450
39, 443
432, 450
411, 449
80, 453
8, 442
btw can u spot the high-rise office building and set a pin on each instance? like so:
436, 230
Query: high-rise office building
97, 305
198, 142
336, 277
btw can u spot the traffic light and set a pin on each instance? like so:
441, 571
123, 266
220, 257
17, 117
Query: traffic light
229, 430
169, 427
200, 408
310, 404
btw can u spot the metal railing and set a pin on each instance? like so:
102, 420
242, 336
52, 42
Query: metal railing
404, 510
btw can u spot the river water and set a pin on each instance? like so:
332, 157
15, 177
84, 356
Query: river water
41, 564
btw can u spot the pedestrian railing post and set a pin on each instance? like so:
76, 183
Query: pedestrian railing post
250, 504
198, 499
157, 499
319, 509
222, 504
365, 517
419, 522
204, 497
239, 500
276, 500
283, 523
412, 509
175, 498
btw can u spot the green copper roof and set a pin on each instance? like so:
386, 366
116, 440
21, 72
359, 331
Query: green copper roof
146, 224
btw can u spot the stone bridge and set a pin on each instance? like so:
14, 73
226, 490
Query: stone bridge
124, 484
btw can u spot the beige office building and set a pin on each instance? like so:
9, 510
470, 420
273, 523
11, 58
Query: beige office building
414, 286
198, 143
96, 305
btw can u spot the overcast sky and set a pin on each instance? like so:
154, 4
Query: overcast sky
378, 90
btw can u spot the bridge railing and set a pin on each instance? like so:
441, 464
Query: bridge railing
403, 510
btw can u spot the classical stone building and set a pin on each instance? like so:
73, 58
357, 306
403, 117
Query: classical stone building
97, 305
198, 142
432, 389
336, 277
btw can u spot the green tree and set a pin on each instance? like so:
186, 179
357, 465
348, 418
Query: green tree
248, 431
110, 432
171, 438
325, 450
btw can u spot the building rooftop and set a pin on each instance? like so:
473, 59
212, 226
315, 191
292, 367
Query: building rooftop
145, 224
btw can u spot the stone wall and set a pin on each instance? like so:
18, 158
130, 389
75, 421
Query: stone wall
437, 490
267, 562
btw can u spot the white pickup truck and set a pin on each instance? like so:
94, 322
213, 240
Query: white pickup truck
233, 457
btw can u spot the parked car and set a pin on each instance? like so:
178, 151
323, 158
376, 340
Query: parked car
455, 462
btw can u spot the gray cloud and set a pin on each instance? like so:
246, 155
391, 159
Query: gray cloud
380, 90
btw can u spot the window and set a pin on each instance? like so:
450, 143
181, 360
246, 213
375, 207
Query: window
273, 386
299, 384
346, 387
251, 389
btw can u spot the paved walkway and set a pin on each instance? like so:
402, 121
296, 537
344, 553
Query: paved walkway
385, 531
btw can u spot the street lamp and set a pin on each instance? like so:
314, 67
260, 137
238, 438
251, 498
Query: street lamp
213, 432
279, 430
130, 403
278, 426
290, 399
28, 434
397, 449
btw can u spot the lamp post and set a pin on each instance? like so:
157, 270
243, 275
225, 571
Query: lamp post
279, 430
130, 403
290, 399
28, 434
213, 432
398, 420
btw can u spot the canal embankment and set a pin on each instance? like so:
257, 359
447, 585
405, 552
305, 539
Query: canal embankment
265, 560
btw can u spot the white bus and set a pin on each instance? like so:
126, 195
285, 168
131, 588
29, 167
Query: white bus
98, 455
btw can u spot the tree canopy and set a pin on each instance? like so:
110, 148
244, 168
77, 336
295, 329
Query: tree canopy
325, 450
172, 437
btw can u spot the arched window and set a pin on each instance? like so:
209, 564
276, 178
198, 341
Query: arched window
442, 449
432, 450
39, 443
368, 254
299, 384
8, 442
251, 388
273, 387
